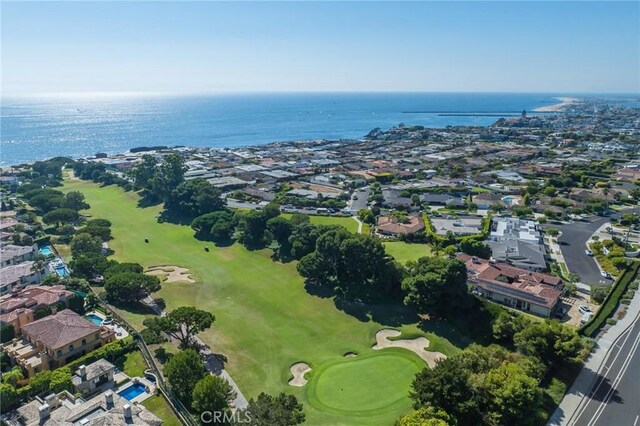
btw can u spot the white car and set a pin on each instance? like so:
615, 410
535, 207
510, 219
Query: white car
586, 318
606, 275
588, 252
583, 309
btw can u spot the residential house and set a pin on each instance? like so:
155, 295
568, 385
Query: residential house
19, 308
53, 341
517, 242
485, 200
393, 226
89, 379
64, 409
22, 274
12, 254
517, 288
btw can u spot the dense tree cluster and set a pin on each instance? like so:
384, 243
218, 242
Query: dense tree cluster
436, 285
481, 386
355, 265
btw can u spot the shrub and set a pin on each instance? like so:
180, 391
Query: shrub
611, 321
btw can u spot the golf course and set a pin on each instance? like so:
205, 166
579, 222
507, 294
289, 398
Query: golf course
266, 321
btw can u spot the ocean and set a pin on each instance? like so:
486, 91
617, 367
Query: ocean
39, 128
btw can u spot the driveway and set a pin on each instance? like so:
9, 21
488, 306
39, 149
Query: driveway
360, 203
573, 245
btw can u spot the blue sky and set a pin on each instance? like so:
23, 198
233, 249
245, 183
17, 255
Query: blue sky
202, 47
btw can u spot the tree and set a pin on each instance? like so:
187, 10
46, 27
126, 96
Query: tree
599, 293
216, 225
211, 393
130, 286
60, 380
75, 200
183, 371
447, 387
58, 216
513, 395
436, 285
119, 268
13, 376
252, 225
506, 325
281, 410
144, 171
183, 323
85, 244
427, 416
76, 304
367, 216
279, 229
8, 397
475, 248
194, 198
553, 232
7, 332
89, 265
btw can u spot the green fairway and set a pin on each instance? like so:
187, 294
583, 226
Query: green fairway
265, 319
365, 385
403, 252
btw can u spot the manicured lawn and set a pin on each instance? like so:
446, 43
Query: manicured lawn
366, 385
265, 319
403, 252
158, 406
347, 222
132, 364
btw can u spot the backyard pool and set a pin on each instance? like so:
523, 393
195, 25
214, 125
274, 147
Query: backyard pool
46, 251
62, 271
133, 391
94, 319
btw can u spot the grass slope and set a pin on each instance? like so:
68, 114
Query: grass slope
265, 319
403, 252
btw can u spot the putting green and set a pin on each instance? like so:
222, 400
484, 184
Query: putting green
365, 385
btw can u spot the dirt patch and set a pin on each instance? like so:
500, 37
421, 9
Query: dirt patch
298, 370
171, 273
417, 345
350, 355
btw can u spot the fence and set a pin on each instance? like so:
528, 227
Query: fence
176, 405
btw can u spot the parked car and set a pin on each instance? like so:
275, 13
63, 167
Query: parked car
583, 309
588, 252
586, 318
606, 275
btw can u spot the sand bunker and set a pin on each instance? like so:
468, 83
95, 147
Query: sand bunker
298, 370
171, 273
417, 345
350, 354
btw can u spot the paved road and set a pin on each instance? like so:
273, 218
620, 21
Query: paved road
573, 245
361, 203
614, 399
213, 364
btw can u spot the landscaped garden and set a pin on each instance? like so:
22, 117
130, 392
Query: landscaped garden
403, 252
266, 320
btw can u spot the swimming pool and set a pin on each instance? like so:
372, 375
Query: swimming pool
62, 271
46, 251
94, 319
133, 391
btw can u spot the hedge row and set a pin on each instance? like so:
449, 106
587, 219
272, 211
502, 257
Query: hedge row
611, 301
110, 351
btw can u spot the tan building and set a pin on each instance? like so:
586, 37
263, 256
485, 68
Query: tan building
19, 308
392, 225
53, 341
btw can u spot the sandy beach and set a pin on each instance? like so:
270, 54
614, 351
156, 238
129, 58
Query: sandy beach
564, 103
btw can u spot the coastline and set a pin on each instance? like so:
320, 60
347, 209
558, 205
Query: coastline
564, 103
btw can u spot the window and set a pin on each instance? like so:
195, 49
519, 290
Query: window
70, 348
84, 342
97, 336
59, 353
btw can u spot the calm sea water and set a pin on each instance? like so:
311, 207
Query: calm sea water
33, 129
